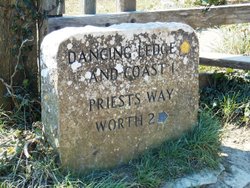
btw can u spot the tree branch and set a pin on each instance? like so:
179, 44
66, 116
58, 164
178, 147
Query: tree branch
9, 87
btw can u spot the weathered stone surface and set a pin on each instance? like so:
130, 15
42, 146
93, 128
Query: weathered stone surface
202, 178
110, 93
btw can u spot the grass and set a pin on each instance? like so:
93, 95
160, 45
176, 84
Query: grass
229, 97
192, 152
108, 6
236, 39
27, 160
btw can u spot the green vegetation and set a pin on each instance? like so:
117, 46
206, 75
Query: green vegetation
210, 2
26, 159
18, 59
229, 97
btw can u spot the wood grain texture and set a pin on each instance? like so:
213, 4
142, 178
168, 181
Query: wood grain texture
125, 5
10, 43
6, 58
195, 17
225, 60
53, 7
89, 6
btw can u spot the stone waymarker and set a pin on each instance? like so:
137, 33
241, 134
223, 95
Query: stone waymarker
110, 93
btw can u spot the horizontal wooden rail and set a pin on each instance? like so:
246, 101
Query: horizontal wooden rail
225, 60
195, 17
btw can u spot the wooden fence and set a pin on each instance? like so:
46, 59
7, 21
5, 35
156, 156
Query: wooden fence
195, 17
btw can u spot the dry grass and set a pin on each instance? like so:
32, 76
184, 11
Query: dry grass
74, 7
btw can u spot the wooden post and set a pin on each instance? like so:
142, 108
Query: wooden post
5, 51
53, 7
89, 6
125, 5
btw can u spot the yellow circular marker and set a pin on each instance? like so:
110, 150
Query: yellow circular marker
185, 47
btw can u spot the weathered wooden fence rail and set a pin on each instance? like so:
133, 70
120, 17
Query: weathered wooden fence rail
225, 60
195, 17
